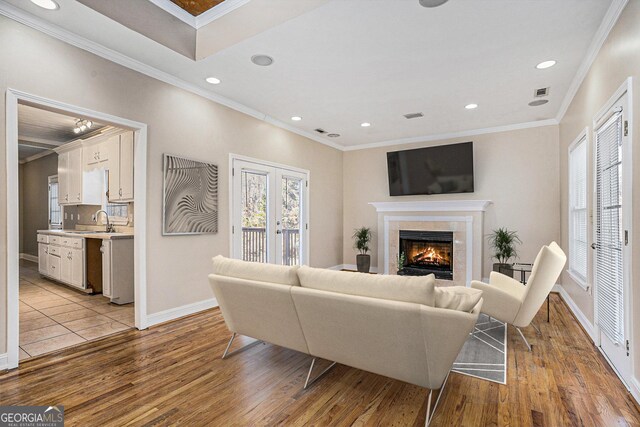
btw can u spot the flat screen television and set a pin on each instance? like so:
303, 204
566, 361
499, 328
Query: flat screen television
433, 170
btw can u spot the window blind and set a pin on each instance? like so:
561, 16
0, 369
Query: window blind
609, 268
578, 251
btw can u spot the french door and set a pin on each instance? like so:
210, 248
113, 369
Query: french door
269, 213
612, 234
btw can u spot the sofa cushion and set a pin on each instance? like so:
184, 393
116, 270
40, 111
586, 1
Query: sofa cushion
457, 297
416, 289
271, 273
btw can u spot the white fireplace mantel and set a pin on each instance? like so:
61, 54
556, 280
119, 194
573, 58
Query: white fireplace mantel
433, 206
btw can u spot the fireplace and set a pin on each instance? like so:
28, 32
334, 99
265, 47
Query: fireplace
427, 252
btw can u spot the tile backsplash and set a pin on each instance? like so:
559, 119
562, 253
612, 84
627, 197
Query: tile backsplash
82, 217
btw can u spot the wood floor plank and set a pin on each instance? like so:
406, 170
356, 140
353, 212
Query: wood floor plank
173, 374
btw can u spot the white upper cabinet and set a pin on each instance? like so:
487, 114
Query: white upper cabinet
77, 186
121, 168
96, 153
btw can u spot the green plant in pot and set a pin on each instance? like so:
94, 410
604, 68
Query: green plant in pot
503, 244
361, 239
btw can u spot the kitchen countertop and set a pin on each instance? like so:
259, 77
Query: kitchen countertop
87, 234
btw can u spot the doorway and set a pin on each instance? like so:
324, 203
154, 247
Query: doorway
269, 211
14, 99
612, 231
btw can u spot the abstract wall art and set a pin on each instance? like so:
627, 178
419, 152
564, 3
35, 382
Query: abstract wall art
190, 203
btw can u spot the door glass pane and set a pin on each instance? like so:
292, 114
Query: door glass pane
291, 220
254, 216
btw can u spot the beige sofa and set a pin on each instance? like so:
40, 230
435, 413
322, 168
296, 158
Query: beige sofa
388, 325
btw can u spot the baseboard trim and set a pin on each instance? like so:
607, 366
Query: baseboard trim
4, 362
586, 325
635, 389
353, 267
182, 311
29, 257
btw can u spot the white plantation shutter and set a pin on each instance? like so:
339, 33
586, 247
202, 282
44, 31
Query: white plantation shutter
578, 210
609, 270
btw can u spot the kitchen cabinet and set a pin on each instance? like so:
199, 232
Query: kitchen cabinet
43, 258
118, 270
72, 267
62, 258
121, 168
96, 153
75, 185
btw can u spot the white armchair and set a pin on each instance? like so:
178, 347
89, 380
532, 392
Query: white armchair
509, 301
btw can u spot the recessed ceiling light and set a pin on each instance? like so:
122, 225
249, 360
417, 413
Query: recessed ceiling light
296, 118
213, 80
46, 4
538, 102
545, 64
471, 106
262, 60
432, 3
333, 135
365, 125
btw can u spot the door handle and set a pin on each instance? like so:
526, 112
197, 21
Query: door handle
594, 246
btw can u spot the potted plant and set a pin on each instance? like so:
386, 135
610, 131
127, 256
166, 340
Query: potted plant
400, 261
503, 246
362, 238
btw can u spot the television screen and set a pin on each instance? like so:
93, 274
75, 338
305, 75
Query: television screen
433, 170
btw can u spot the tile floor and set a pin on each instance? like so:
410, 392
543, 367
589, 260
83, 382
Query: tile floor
53, 316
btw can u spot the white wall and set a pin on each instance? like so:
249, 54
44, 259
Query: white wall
517, 170
618, 59
179, 123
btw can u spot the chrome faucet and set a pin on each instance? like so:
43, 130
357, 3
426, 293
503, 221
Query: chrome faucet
109, 226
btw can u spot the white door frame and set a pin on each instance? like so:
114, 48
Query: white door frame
627, 222
12, 208
304, 260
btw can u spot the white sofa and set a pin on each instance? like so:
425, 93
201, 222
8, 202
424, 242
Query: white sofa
389, 325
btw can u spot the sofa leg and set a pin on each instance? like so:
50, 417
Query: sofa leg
246, 347
307, 383
430, 412
226, 350
525, 340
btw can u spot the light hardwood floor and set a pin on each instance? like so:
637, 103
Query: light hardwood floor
172, 374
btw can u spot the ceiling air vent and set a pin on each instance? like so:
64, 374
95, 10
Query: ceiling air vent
320, 130
539, 93
413, 115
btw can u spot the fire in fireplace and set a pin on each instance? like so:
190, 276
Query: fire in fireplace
427, 252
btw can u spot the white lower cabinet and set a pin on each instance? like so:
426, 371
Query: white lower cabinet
43, 258
54, 267
63, 260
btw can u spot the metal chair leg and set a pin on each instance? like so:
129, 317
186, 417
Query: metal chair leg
226, 350
430, 413
307, 383
246, 347
525, 340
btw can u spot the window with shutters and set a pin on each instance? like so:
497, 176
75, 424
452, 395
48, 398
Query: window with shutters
578, 212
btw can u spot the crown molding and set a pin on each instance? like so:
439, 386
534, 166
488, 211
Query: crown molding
175, 10
607, 24
218, 11
433, 206
442, 136
37, 156
68, 37
203, 19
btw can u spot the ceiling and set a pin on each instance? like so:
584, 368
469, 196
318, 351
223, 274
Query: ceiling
197, 7
344, 62
40, 131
